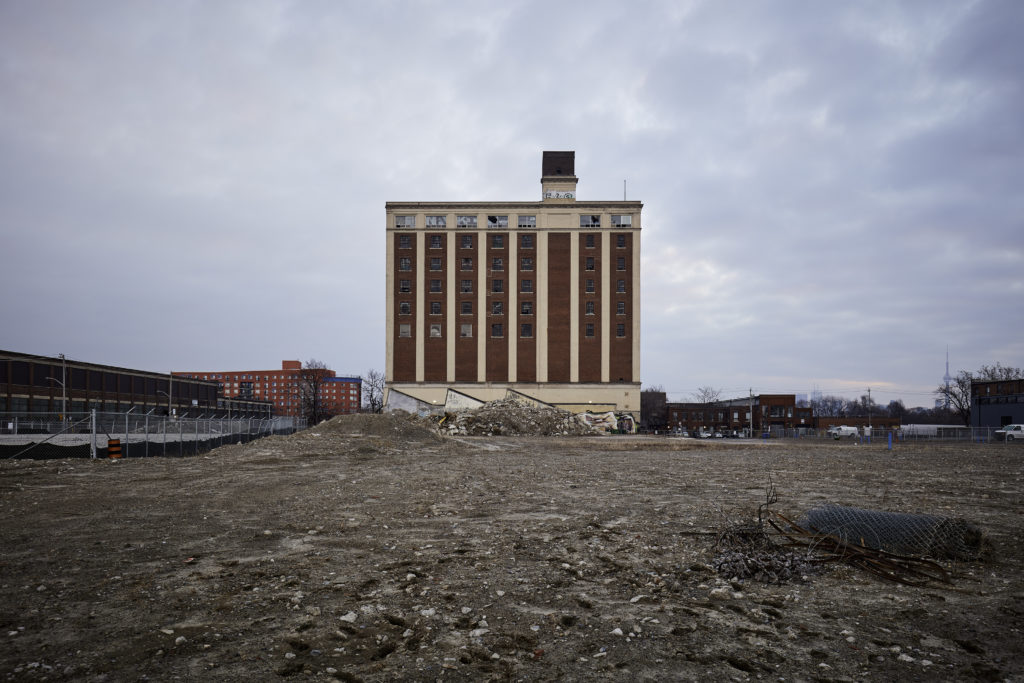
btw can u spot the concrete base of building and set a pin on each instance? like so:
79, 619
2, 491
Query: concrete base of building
428, 397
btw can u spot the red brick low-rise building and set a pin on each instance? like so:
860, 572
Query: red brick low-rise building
770, 412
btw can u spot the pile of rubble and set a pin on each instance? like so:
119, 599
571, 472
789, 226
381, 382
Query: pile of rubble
507, 417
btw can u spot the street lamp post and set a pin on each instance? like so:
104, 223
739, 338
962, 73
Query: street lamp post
63, 396
168, 401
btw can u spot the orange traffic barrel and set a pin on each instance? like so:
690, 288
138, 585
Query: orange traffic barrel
114, 448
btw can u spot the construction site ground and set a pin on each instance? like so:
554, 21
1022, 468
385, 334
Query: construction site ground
371, 549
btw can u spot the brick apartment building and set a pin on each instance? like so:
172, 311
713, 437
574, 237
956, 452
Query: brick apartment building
541, 298
338, 395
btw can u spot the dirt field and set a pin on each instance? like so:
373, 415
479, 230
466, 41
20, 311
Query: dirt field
369, 549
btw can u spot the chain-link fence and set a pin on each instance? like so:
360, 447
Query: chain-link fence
897, 532
129, 435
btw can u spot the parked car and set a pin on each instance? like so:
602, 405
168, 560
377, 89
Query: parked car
1010, 433
839, 432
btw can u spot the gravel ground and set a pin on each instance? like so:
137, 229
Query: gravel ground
371, 549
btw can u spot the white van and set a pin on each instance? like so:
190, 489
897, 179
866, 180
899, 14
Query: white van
838, 432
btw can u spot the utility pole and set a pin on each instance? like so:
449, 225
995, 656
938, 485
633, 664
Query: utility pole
869, 410
63, 386
751, 412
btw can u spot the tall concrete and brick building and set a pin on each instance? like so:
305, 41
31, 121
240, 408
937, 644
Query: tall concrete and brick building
539, 298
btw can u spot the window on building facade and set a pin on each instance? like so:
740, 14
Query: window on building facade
467, 308
497, 221
465, 221
404, 286
620, 330
526, 308
466, 330
405, 263
620, 263
467, 263
622, 221
497, 264
436, 221
405, 221
527, 222
590, 286
435, 308
590, 308
435, 263
404, 308
526, 330
588, 241
526, 241
497, 241
527, 286
526, 263
620, 308
497, 308
435, 286
620, 241
620, 286
590, 263
590, 221
436, 242
405, 241
497, 330
498, 286
435, 330
467, 287
589, 330
467, 241
405, 330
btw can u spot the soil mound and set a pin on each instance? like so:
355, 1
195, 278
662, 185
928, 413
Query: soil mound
397, 425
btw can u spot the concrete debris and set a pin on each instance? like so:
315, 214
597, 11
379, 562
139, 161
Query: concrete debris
610, 421
507, 417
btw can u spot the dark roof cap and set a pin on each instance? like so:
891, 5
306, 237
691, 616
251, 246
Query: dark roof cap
559, 163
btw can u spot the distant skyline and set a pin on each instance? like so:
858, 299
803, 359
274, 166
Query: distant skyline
831, 190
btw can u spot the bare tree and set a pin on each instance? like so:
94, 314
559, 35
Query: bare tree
957, 395
896, 409
373, 390
830, 406
998, 372
707, 394
311, 379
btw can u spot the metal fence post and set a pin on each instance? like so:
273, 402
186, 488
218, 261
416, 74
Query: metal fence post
92, 430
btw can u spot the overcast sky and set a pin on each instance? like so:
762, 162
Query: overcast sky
832, 191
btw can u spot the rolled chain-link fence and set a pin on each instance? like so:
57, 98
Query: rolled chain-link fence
900, 533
